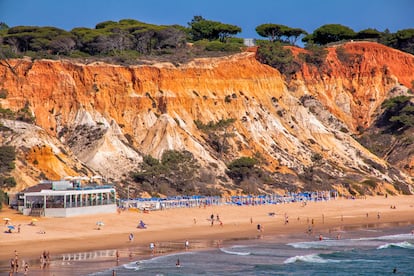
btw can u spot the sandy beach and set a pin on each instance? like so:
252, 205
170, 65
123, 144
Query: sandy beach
80, 234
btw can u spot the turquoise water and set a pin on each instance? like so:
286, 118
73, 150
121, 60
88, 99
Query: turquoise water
367, 252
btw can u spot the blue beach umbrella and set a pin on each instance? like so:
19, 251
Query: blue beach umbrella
11, 227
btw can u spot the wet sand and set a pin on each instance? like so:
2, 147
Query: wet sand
168, 229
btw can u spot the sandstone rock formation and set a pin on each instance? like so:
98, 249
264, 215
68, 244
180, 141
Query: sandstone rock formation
107, 117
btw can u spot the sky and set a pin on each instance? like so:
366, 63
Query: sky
248, 14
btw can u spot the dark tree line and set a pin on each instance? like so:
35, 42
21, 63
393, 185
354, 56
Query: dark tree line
111, 38
402, 39
329, 33
129, 36
107, 38
282, 33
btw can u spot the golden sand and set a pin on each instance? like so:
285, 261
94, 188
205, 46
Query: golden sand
79, 234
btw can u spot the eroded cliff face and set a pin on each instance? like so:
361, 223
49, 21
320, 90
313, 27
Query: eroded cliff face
110, 116
353, 85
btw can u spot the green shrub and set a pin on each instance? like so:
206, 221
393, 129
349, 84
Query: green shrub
7, 182
3, 198
3, 93
7, 157
316, 55
218, 46
275, 55
316, 157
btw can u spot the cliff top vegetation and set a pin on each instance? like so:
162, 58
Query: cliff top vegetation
130, 41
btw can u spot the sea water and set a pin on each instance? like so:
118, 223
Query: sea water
365, 252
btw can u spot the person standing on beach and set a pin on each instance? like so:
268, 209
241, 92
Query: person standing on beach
117, 256
16, 261
48, 257
26, 268
11, 266
41, 261
187, 245
131, 237
309, 231
152, 248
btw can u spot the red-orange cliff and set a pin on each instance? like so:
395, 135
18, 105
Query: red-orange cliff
125, 112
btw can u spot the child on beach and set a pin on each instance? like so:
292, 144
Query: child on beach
152, 248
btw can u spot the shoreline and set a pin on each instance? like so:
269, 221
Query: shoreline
79, 234
91, 262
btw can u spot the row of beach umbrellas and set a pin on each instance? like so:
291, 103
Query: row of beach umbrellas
12, 227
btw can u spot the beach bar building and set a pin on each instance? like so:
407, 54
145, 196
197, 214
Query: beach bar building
67, 198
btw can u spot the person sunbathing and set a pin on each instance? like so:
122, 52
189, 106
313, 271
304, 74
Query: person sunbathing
141, 225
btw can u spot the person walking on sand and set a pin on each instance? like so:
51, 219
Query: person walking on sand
48, 257
16, 261
41, 261
117, 256
152, 248
286, 219
187, 245
309, 231
11, 266
131, 237
26, 268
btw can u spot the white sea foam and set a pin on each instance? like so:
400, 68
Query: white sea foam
311, 258
397, 237
239, 246
132, 266
320, 244
403, 244
316, 258
369, 241
234, 252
